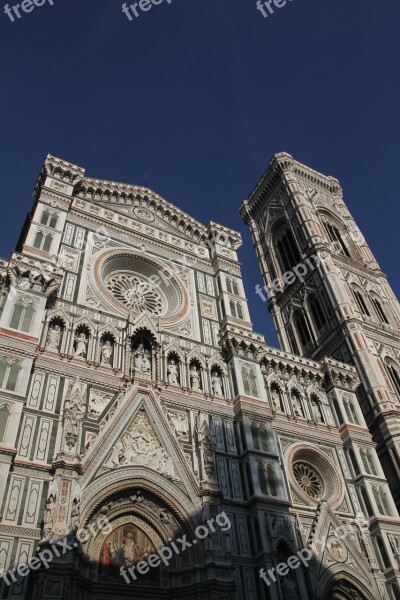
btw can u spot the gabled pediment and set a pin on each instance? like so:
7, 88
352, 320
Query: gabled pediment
139, 435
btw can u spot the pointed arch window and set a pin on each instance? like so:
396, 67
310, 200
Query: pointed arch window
366, 501
383, 552
254, 435
317, 313
351, 412
302, 328
359, 298
9, 373
42, 241
368, 461
22, 316
335, 237
4, 418
354, 462
266, 476
288, 252
249, 479
49, 219
381, 501
236, 309
232, 286
379, 310
394, 376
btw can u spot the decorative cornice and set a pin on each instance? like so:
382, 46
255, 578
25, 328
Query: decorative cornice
280, 164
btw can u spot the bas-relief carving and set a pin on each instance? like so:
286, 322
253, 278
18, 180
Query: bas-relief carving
180, 423
139, 445
98, 400
74, 410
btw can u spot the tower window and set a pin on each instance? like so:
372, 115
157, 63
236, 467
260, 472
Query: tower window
22, 316
379, 310
302, 328
317, 313
49, 219
42, 242
335, 237
361, 303
9, 374
288, 252
266, 476
236, 309
394, 377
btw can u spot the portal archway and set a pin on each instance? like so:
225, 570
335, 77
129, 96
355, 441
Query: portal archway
343, 589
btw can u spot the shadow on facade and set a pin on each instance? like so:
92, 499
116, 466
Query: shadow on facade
192, 564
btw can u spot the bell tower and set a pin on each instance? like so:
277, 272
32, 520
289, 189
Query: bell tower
326, 292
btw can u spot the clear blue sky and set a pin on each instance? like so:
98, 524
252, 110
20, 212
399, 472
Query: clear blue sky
199, 94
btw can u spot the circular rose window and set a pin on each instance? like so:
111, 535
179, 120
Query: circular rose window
134, 283
135, 293
308, 479
313, 474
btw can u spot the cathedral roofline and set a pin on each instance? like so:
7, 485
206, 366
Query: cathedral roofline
280, 163
111, 192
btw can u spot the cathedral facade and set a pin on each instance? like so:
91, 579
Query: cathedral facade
152, 445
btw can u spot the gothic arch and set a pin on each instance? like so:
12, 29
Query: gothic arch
345, 587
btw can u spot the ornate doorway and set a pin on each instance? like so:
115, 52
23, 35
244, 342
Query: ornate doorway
344, 590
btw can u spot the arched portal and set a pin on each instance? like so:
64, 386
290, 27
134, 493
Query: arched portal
139, 524
343, 589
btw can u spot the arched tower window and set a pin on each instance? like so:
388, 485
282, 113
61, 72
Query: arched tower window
266, 475
22, 316
4, 417
334, 236
383, 552
354, 462
317, 313
366, 501
351, 412
360, 301
9, 373
49, 219
393, 374
287, 250
379, 310
302, 329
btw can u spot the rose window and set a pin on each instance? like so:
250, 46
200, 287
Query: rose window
308, 479
135, 293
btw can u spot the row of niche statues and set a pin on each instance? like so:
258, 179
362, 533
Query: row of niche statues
142, 359
80, 345
277, 403
173, 377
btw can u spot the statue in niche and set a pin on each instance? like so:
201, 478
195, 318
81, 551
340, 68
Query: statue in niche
81, 344
48, 518
106, 353
298, 409
216, 383
75, 513
54, 337
316, 411
172, 372
194, 378
142, 359
276, 399
74, 410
